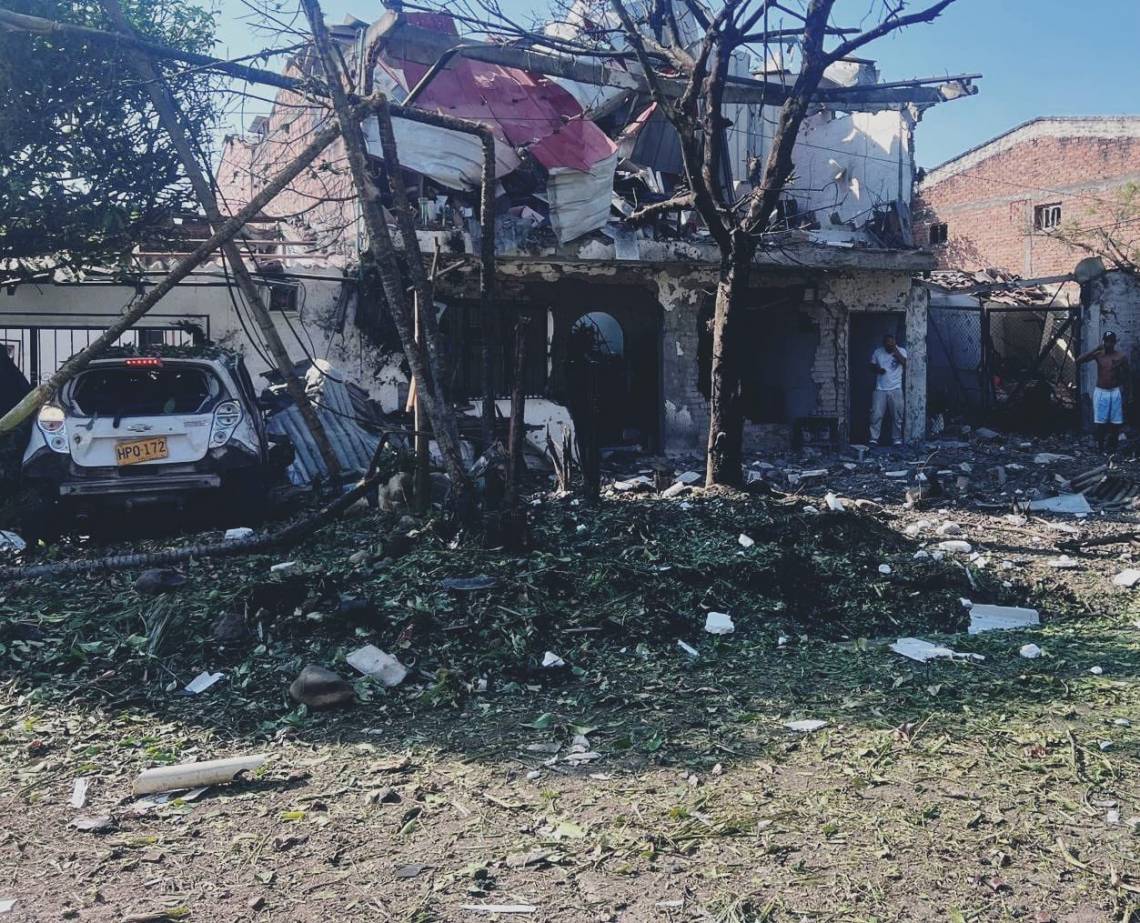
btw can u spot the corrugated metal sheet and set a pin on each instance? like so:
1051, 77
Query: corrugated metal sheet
350, 420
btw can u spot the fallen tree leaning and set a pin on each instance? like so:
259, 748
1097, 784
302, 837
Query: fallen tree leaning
35, 398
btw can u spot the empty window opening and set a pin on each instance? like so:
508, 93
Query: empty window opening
1047, 217
598, 334
938, 234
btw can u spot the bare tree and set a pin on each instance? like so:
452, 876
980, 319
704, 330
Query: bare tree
697, 114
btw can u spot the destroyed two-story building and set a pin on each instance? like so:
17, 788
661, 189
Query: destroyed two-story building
579, 146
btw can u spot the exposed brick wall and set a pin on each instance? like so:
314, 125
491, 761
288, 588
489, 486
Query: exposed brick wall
987, 198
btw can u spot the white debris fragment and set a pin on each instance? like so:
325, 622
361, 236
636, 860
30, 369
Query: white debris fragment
885, 570
810, 510
1127, 578
6, 904
689, 477
806, 725
965, 603
688, 649
955, 546
1049, 458
920, 554
1030, 651
1096, 671
949, 529
376, 664
283, 567
187, 775
1072, 504
238, 533
922, 651
632, 484
202, 682
79, 791
674, 490
1104, 744
985, 617
499, 908
552, 660
1122, 722
745, 541
782, 641
833, 503
719, 623
895, 474
1112, 816
1064, 562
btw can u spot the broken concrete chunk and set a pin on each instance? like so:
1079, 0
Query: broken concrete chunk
949, 529
1049, 458
985, 617
833, 503
96, 824
238, 534
551, 660
885, 570
1064, 562
955, 546
1127, 578
376, 664
987, 435
674, 490
158, 580
1072, 504
1030, 651
321, 688
745, 541
719, 623
79, 792
283, 568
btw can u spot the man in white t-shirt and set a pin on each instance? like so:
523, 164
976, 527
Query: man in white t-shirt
888, 362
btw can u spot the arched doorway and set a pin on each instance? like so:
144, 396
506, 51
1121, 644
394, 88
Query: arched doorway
596, 347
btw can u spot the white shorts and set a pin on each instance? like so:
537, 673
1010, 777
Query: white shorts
1108, 405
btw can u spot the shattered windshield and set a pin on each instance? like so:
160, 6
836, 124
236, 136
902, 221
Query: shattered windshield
136, 392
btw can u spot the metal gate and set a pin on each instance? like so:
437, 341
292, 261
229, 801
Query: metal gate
40, 348
993, 359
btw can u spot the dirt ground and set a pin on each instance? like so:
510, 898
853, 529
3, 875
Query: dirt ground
636, 783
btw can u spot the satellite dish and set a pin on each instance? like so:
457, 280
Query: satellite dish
1088, 269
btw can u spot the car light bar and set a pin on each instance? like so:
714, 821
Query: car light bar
150, 362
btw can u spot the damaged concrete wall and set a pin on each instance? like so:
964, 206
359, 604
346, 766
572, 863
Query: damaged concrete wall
1110, 303
847, 165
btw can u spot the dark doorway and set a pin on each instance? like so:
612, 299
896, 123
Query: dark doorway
866, 332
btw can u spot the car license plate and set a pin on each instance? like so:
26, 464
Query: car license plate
136, 451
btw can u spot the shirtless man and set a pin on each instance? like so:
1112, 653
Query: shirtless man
1108, 401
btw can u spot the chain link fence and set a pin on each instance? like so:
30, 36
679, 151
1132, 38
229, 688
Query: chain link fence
1002, 364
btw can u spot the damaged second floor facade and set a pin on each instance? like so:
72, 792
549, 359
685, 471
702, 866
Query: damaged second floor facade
579, 146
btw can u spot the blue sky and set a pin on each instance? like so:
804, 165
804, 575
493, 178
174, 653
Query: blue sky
1038, 57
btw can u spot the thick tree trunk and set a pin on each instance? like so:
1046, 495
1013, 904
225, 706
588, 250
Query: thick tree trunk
726, 413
